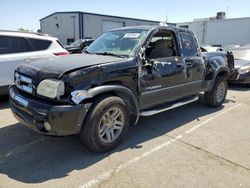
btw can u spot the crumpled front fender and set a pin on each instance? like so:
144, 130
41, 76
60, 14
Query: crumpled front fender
79, 96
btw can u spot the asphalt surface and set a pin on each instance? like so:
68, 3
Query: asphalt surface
192, 146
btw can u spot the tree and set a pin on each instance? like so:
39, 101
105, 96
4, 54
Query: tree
24, 30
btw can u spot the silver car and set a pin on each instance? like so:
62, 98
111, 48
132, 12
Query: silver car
241, 72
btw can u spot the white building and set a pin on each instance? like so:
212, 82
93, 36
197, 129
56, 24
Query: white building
220, 31
70, 26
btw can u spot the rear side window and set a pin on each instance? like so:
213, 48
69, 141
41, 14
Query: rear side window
39, 44
10, 45
189, 44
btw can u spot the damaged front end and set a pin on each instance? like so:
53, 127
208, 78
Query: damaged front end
47, 118
51, 103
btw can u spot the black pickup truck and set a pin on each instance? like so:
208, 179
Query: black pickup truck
126, 73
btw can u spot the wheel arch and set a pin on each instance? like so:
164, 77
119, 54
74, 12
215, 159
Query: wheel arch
222, 71
116, 90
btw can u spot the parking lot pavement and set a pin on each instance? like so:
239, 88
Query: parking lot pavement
192, 146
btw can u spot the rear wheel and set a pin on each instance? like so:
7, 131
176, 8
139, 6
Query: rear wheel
106, 124
217, 96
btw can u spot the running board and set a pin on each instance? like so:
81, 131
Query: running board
169, 107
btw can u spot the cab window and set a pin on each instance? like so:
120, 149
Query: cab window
162, 45
189, 44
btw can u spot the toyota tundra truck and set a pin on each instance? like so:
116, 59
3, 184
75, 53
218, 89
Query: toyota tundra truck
125, 74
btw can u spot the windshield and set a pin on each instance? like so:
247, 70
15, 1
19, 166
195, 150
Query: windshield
243, 54
121, 43
77, 43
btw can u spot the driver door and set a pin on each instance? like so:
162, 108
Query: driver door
163, 78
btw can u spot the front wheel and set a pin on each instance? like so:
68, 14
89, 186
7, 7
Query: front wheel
217, 96
106, 124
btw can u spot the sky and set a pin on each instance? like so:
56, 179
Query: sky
26, 14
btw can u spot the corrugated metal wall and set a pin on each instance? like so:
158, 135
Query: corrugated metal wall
93, 24
87, 25
65, 29
221, 32
228, 32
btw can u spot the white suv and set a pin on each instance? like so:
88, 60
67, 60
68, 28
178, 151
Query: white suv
19, 47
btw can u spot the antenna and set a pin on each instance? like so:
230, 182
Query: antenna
164, 23
227, 12
167, 17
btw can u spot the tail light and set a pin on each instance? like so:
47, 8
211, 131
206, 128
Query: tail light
61, 53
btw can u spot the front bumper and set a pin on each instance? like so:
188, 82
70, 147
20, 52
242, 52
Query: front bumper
63, 120
240, 78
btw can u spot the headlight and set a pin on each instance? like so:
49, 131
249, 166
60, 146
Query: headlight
244, 69
51, 88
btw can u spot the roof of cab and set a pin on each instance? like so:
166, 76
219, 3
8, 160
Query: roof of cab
26, 34
151, 27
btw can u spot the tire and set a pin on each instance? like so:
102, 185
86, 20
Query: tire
248, 85
97, 132
217, 96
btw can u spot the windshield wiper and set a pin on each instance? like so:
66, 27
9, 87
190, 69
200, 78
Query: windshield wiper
111, 54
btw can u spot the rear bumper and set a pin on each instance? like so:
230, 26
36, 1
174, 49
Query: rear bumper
63, 120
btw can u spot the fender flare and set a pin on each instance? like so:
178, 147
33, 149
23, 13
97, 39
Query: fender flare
91, 93
216, 73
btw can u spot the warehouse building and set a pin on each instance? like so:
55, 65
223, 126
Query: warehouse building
70, 26
219, 31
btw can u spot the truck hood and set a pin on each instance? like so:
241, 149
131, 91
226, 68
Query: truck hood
57, 66
239, 63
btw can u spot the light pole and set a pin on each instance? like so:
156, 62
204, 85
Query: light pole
74, 24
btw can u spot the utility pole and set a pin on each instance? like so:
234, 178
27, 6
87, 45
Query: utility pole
204, 33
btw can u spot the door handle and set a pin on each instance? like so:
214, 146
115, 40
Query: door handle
179, 65
189, 64
188, 60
